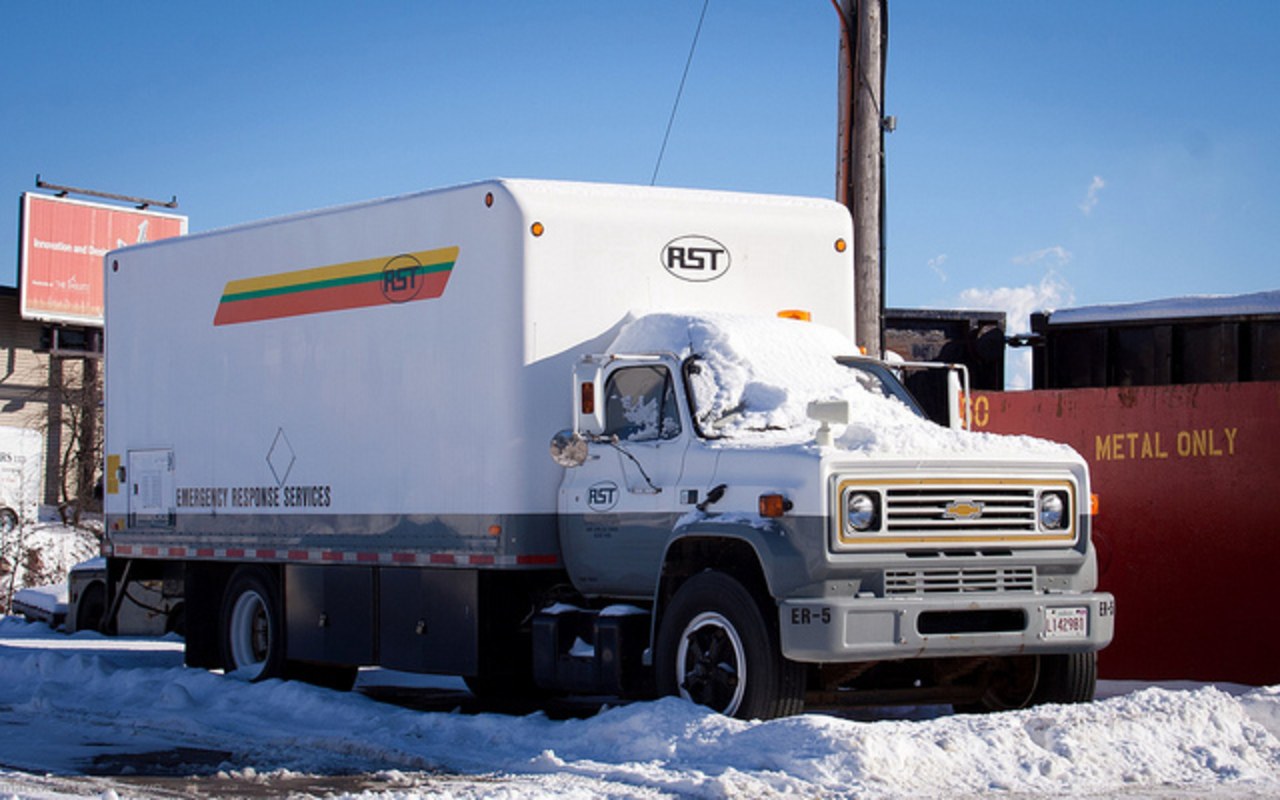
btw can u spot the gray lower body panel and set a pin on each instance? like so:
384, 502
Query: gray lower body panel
832, 630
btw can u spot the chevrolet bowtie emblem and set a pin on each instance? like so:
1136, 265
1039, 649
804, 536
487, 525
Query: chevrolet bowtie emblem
963, 509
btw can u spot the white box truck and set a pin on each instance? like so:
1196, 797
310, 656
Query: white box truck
327, 440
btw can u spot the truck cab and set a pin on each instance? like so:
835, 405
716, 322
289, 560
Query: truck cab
786, 530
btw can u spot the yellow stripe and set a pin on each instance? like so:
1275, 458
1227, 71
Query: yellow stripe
349, 269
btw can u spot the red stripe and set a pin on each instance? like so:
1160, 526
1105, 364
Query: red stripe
124, 550
366, 558
151, 551
330, 555
403, 558
298, 555
442, 558
539, 560
479, 560
177, 551
264, 553
204, 552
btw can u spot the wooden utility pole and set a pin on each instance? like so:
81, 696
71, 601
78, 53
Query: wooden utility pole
859, 185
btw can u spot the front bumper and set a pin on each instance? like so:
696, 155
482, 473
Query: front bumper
872, 629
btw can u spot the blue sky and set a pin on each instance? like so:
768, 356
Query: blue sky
1048, 154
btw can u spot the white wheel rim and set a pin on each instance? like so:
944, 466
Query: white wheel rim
711, 663
250, 634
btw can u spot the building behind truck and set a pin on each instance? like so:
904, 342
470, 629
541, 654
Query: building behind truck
327, 445
1174, 404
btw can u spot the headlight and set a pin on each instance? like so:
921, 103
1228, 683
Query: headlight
1053, 511
862, 511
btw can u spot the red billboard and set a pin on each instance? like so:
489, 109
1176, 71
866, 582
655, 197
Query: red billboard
63, 242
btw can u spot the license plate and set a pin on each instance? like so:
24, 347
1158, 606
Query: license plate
1066, 623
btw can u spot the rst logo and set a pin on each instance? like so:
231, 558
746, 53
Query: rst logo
602, 496
695, 258
402, 279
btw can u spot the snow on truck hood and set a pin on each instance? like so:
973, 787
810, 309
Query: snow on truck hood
757, 376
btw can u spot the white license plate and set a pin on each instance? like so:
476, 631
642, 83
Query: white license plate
1066, 623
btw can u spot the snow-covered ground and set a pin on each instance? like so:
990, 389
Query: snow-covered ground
72, 707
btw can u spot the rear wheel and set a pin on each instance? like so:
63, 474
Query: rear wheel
253, 626
716, 649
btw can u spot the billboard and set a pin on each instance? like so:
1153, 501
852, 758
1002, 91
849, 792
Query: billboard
63, 242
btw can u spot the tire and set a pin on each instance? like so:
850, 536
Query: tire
1067, 678
1010, 685
716, 649
1024, 681
251, 626
92, 608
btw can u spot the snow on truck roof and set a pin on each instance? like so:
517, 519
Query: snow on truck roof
758, 374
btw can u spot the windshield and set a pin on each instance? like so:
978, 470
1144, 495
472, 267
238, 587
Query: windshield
759, 406
875, 376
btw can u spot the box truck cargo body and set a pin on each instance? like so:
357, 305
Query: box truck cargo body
328, 435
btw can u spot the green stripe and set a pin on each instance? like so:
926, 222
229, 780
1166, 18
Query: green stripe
351, 280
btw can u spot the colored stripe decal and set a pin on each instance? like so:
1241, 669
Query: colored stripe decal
387, 280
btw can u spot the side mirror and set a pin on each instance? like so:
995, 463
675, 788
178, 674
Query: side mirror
835, 412
568, 449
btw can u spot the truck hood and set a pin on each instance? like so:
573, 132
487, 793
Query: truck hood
756, 376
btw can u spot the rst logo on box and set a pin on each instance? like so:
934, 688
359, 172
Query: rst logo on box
695, 258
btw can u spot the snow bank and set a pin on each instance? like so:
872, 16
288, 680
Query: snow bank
757, 376
1153, 740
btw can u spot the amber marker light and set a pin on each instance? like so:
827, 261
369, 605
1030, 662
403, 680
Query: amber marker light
495, 530
536, 229
841, 245
795, 313
774, 505
588, 395
1093, 504
488, 199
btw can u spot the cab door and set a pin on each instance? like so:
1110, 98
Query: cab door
620, 506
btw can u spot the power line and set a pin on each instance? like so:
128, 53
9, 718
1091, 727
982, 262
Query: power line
679, 92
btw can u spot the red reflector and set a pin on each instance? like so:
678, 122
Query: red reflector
588, 398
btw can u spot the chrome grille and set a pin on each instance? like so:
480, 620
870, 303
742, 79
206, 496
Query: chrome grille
929, 510
959, 581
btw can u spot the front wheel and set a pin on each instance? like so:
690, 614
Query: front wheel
1023, 681
252, 626
716, 649
1067, 678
